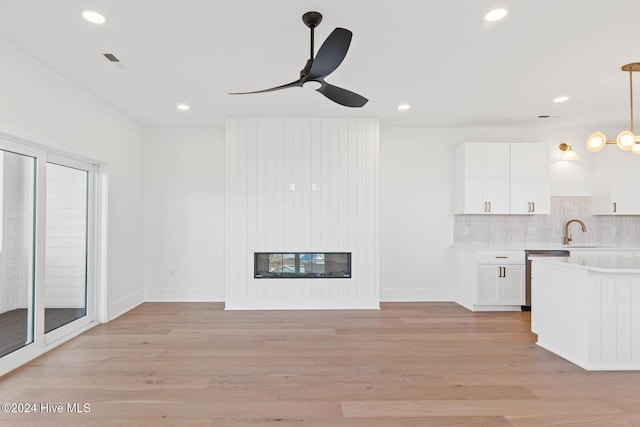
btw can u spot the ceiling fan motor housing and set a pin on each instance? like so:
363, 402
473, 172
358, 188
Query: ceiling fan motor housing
312, 19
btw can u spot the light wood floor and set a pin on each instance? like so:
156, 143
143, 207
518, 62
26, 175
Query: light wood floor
409, 364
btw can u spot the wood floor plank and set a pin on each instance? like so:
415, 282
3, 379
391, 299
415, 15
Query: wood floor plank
480, 407
385, 391
408, 364
576, 420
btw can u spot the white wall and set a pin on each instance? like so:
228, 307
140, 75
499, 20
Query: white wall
416, 225
42, 107
184, 210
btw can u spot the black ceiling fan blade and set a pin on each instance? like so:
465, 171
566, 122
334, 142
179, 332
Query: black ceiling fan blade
331, 53
342, 96
288, 85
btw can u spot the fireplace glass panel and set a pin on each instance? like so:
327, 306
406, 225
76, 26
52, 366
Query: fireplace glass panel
302, 265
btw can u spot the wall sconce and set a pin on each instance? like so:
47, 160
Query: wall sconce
569, 153
627, 139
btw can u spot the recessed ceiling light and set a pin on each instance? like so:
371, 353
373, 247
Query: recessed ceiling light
183, 107
93, 17
561, 99
404, 107
495, 15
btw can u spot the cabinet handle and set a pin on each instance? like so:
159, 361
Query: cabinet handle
489, 206
485, 206
502, 271
533, 206
615, 207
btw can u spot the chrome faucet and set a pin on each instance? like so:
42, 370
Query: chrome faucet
567, 237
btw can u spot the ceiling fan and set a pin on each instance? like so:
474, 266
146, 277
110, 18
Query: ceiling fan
329, 57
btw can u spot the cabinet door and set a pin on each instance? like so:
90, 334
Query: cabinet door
530, 179
500, 285
614, 183
601, 182
624, 184
497, 170
511, 288
487, 286
475, 197
482, 175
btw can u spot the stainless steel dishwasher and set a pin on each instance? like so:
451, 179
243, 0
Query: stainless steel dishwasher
527, 269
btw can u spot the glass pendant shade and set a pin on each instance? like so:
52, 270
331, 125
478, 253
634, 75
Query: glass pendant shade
596, 142
626, 140
636, 148
570, 154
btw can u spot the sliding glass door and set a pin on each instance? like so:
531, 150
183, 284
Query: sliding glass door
47, 260
17, 234
65, 275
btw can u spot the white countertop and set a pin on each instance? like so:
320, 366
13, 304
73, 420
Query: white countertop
602, 264
585, 248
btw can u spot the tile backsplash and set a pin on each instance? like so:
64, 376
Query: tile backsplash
527, 230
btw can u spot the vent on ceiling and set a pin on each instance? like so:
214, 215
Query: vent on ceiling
114, 59
111, 57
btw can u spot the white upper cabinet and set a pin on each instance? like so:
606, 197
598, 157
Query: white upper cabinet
502, 178
482, 174
530, 179
615, 182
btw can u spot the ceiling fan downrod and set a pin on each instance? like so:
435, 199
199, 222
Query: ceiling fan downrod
311, 20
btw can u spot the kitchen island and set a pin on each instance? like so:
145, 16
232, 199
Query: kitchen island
586, 309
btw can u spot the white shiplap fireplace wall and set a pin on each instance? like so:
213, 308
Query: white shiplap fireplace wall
302, 185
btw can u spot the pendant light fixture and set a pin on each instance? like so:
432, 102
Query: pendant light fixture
627, 139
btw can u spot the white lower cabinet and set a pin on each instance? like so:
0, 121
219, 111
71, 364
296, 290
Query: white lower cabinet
490, 280
500, 285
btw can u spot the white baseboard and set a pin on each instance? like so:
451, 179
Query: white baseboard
415, 295
123, 305
184, 295
302, 303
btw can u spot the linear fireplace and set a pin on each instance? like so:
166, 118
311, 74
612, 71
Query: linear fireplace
295, 265
302, 217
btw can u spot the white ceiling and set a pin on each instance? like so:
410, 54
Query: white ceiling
454, 68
